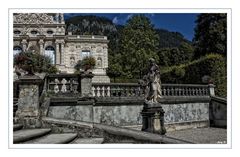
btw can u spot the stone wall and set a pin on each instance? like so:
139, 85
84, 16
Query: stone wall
179, 114
218, 112
108, 112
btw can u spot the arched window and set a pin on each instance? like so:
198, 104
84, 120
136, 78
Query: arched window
50, 52
16, 50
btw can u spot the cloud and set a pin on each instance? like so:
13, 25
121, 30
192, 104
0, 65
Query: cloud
115, 20
152, 15
129, 16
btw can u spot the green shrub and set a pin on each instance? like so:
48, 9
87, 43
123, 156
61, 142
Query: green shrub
212, 65
85, 64
38, 63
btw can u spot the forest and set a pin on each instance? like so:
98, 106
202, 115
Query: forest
200, 61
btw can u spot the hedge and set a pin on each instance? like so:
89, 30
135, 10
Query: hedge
212, 66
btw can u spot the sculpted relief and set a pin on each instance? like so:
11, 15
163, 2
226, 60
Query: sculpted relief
33, 18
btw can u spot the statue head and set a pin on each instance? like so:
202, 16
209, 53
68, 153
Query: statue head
151, 61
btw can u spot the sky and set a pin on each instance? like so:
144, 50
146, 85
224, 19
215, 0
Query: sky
175, 22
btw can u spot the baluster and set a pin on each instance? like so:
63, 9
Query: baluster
184, 91
93, 91
190, 91
108, 91
56, 88
200, 90
176, 91
98, 91
172, 91
181, 91
197, 92
168, 91
64, 88
139, 91
193, 91
164, 92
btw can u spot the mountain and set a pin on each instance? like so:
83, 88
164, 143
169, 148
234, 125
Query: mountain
94, 25
169, 39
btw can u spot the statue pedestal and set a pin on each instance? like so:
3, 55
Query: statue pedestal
153, 118
86, 85
28, 103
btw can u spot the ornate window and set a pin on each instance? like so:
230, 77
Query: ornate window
49, 32
85, 53
17, 32
50, 52
34, 32
16, 50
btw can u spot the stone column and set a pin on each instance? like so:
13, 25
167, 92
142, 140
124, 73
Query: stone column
62, 54
211, 89
28, 112
86, 85
57, 53
41, 42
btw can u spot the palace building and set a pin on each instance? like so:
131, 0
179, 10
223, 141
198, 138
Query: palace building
45, 33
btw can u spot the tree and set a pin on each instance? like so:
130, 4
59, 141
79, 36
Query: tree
211, 34
138, 43
114, 69
176, 55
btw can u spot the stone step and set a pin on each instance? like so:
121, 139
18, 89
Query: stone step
17, 127
28, 134
88, 141
62, 138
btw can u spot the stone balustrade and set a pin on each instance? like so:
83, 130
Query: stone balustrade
185, 90
86, 37
116, 90
62, 83
134, 90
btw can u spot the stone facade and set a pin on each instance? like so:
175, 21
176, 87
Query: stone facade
46, 33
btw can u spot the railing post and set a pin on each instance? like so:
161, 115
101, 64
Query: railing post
211, 89
86, 85
28, 112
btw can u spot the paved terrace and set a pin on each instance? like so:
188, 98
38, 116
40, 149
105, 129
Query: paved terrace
201, 135
197, 135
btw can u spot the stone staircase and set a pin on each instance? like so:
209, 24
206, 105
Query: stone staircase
46, 136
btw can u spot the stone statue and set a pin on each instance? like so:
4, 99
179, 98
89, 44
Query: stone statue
153, 82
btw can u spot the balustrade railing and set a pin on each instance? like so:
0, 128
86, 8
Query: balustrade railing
62, 83
116, 90
134, 90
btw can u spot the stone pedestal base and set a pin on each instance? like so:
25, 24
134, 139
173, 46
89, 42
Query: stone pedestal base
28, 112
153, 118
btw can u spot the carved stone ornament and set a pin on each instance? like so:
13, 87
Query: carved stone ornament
33, 18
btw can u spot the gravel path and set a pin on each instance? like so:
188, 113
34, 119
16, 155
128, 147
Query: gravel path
201, 135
